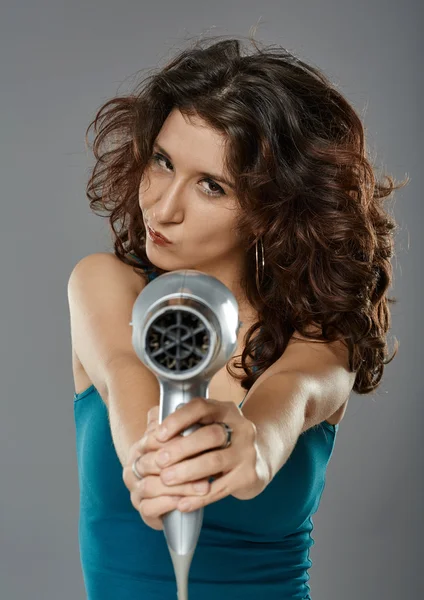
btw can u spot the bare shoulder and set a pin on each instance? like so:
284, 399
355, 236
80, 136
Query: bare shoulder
100, 263
101, 294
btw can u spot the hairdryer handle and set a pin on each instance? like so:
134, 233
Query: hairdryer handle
182, 532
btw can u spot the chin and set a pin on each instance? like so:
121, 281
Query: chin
159, 262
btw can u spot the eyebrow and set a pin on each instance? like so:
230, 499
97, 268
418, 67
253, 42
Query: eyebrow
204, 174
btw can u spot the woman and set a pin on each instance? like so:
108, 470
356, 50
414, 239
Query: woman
254, 167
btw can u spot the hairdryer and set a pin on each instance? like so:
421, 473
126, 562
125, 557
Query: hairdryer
185, 326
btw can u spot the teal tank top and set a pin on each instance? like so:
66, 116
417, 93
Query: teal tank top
247, 549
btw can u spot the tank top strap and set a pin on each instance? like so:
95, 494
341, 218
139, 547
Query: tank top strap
151, 273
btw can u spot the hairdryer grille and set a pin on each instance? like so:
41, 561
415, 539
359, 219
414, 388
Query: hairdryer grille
177, 340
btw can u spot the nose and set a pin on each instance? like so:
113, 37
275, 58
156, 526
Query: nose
168, 204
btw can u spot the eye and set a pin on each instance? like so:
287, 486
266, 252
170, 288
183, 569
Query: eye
219, 192
158, 157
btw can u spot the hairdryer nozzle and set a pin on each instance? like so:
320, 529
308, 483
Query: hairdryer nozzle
178, 340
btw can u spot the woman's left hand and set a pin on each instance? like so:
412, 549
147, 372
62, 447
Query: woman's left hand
240, 468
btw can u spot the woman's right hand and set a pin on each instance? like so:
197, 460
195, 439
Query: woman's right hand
150, 496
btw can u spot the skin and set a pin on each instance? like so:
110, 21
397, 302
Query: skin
173, 198
199, 216
241, 469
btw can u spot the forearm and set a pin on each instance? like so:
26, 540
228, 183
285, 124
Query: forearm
278, 408
130, 395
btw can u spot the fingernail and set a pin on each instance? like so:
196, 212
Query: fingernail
163, 458
162, 433
184, 504
201, 487
169, 476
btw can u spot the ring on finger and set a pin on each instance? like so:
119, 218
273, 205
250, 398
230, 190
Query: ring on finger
134, 468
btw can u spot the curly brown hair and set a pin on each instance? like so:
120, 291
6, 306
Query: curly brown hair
296, 151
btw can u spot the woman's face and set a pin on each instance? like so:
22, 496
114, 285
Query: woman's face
195, 212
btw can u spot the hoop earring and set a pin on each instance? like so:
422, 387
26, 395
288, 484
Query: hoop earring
263, 263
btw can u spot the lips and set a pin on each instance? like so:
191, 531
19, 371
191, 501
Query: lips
159, 235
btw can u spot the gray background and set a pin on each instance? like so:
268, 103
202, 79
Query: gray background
59, 62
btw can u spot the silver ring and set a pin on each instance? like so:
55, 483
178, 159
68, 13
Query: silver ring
228, 431
134, 468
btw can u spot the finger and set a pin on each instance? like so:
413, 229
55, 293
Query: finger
205, 465
136, 453
152, 510
207, 437
184, 416
152, 425
220, 488
153, 414
147, 443
152, 487
204, 411
145, 452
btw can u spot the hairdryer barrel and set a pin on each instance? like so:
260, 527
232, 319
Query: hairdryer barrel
185, 326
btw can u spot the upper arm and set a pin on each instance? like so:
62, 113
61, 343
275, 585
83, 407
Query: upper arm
323, 367
101, 297
311, 356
